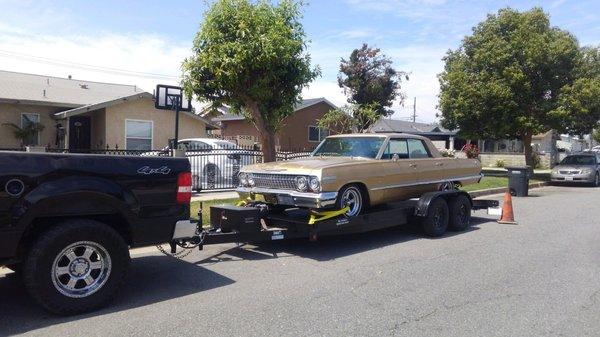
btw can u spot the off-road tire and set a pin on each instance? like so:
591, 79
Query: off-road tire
38, 266
460, 213
435, 223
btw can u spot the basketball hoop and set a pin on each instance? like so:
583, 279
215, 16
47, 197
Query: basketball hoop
169, 97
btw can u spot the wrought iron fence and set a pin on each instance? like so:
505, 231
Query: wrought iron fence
212, 168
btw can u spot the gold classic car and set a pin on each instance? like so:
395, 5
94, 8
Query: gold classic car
358, 171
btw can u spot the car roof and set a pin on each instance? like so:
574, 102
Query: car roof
386, 134
205, 140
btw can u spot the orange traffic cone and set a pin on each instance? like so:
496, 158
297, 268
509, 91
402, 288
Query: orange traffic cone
507, 216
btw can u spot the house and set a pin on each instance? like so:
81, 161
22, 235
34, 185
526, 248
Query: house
84, 115
512, 152
442, 138
299, 131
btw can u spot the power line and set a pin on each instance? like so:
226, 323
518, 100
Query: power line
115, 71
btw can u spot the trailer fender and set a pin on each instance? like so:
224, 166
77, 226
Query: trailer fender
422, 208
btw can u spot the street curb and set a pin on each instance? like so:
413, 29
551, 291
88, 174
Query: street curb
499, 190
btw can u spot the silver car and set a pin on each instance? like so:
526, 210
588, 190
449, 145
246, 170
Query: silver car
578, 168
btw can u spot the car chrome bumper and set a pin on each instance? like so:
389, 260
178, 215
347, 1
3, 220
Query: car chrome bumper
185, 229
291, 198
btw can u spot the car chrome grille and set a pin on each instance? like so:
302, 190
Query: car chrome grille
569, 172
275, 181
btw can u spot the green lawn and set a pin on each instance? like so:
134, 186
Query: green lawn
491, 182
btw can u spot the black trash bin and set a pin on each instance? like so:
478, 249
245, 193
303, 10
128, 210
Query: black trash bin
518, 180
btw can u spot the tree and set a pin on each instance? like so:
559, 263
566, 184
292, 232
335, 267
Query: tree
596, 135
579, 103
350, 118
505, 79
251, 56
368, 78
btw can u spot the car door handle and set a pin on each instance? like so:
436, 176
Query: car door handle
439, 164
412, 165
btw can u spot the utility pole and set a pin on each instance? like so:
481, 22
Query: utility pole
415, 110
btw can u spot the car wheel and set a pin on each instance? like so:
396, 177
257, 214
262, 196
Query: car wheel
597, 180
352, 197
460, 213
76, 266
436, 221
211, 173
447, 186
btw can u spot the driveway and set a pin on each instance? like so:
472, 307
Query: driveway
539, 278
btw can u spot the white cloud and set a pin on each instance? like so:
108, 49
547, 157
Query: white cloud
139, 53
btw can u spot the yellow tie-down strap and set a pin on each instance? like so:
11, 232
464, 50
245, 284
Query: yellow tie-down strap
320, 216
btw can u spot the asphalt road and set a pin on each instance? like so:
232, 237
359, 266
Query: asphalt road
539, 278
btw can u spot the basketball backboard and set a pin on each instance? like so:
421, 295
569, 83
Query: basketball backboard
167, 94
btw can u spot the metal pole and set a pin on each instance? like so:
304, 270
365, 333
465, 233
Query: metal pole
176, 103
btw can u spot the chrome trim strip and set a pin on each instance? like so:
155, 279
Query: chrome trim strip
479, 176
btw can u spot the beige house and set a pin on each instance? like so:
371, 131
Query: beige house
83, 115
298, 133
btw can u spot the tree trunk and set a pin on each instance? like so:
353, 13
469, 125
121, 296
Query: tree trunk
528, 150
267, 137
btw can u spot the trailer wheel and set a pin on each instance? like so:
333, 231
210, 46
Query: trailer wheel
76, 266
435, 222
460, 213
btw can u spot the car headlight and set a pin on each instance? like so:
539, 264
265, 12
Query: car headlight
314, 184
243, 179
301, 183
250, 179
586, 171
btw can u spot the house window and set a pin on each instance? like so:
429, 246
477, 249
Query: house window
138, 135
27, 121
316, 134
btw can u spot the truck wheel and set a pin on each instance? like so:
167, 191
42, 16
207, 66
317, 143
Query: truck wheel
460, 213
436, 221
352, 197
76, 266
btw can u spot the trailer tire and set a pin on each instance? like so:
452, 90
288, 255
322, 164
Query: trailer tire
76, 266
460, 213
435, 223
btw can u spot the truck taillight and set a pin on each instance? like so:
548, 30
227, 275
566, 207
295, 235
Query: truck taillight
184, 188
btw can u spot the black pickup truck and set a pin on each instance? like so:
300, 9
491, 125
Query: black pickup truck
67, 221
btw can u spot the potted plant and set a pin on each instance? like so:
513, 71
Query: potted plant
25, 133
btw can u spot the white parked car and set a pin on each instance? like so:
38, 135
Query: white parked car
214, 161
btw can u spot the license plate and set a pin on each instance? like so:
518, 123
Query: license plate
285, 200
569, 178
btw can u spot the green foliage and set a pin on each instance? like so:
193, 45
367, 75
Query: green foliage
596, 135
500, 163
580, 106
350, 118
505, 79
251, 55
24, 134
368, 78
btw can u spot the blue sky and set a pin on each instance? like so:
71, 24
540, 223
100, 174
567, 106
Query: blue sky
153, 37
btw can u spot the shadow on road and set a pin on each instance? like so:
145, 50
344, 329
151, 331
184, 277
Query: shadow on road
152, 279
332, 247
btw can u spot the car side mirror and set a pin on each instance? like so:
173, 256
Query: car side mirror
395, 157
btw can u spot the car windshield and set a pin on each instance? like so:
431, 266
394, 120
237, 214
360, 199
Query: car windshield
578, 160
367, 147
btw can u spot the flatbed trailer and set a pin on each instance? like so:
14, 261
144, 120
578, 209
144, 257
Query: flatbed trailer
256, 222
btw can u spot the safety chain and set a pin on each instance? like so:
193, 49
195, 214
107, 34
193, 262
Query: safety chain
187, 247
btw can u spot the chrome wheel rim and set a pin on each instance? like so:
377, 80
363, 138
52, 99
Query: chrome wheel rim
352, 199
81, 269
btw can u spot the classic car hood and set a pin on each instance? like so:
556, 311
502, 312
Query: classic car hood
303, 165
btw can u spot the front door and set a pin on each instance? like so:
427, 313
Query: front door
80, 134
401, 172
